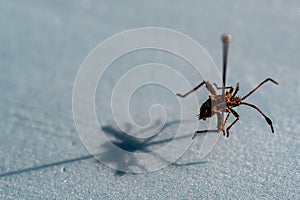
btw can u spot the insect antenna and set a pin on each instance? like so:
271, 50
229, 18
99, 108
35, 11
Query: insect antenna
268, 120
257, 87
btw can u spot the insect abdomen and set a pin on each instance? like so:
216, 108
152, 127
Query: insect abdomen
205, 110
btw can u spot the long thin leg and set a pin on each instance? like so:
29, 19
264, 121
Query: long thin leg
268, 79
237, 88
237, 118
225, 121
204, 131
208, 86
193, 90
219, 126
267, 118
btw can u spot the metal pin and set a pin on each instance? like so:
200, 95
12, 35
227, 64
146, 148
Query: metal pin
225, 40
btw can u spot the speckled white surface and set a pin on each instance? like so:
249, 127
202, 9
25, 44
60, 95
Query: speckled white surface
42, 45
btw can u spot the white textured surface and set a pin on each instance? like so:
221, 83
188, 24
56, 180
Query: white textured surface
41, 48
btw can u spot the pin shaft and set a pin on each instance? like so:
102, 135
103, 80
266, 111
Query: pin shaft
225, 40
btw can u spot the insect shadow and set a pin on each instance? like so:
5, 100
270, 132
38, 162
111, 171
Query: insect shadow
122, 140
129, 143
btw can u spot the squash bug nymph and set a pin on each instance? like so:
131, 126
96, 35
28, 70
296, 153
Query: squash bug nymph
217, 104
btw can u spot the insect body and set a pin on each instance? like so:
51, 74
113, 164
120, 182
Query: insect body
217, 104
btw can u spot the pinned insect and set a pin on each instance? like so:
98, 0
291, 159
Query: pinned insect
217, 104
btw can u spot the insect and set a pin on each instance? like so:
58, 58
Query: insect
217, 104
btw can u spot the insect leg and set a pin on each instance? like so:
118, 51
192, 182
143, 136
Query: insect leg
267, 118
220, 122
225, 121
210, 88
236, 89
220, 127
237, 118
193, 90
268, 79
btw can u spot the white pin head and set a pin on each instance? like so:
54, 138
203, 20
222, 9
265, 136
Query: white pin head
226, 38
